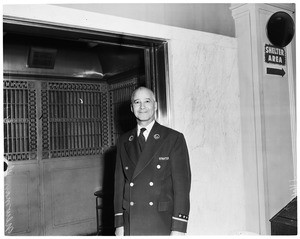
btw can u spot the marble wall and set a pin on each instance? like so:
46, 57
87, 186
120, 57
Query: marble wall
204, 105
205, 100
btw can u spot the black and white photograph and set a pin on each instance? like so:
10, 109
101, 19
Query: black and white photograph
159, 118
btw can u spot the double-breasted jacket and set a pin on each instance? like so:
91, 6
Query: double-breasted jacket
152, 187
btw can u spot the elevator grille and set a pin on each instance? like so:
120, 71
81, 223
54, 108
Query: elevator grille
74, 118
20, 126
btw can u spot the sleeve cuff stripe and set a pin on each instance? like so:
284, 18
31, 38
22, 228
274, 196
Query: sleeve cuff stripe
118, 214
180, 219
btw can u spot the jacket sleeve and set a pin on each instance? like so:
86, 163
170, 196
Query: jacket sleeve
118, 191
181, 179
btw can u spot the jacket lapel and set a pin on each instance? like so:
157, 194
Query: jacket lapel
132, 147
154, 142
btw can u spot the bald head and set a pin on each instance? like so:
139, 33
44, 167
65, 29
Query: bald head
142, 88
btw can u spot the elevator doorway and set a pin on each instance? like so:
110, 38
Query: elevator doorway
66, 100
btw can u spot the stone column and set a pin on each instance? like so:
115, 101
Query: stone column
267, 116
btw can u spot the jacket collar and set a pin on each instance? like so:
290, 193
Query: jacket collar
154, 142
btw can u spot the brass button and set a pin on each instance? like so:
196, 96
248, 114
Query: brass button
131, 184
131, 203
151, 203
151, 184
158, 166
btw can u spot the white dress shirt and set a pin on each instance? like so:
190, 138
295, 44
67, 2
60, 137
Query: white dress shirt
147, 131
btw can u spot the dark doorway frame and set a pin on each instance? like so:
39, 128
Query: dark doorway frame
156, 75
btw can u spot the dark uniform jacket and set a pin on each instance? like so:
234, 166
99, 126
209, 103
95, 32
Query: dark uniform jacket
152, 188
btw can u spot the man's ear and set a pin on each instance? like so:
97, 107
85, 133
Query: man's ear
131, 108
155, 105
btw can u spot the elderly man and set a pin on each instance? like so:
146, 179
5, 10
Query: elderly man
152, 176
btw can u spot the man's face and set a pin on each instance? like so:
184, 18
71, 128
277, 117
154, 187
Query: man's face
144, 106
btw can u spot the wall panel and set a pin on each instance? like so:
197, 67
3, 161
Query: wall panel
22, 205
69, 201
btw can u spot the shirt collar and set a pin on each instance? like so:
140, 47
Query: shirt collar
148, 127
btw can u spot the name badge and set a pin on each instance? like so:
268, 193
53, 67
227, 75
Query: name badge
163, 158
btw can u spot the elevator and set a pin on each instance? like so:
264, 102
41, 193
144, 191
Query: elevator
66, 100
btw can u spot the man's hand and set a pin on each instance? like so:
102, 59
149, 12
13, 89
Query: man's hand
119, 231
176, 233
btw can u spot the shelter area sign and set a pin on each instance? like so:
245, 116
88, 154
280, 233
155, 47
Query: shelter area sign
275, 60
274, 55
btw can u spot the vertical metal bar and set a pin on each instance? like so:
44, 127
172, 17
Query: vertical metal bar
76, 134
50, 104
20, 103
91, 121
87, 105
82, 120
63, 116
62, 135
58, 124
8, 103
21, 115
5, 95
12, 96
68, 120
21, 137
51, 116
55, 103
24, 120
5, 138
4, 104
9, 137
53, 140
26, 133
88, 123
55, 136
84, 104
19, 124
13, 137
71, 135
73, 105
59, 104
13, 118
72, 119
17, 99
78, 116
78, 98
87, 133
79, 135
92, 134
93, 105
16, 103
96, 119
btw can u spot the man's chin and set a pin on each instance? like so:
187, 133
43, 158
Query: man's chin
145, 120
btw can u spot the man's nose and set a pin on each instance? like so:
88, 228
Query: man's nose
142, 105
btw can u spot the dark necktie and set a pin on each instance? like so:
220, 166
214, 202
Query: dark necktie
142, 140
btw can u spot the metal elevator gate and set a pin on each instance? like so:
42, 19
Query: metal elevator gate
57, 123
76, 118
